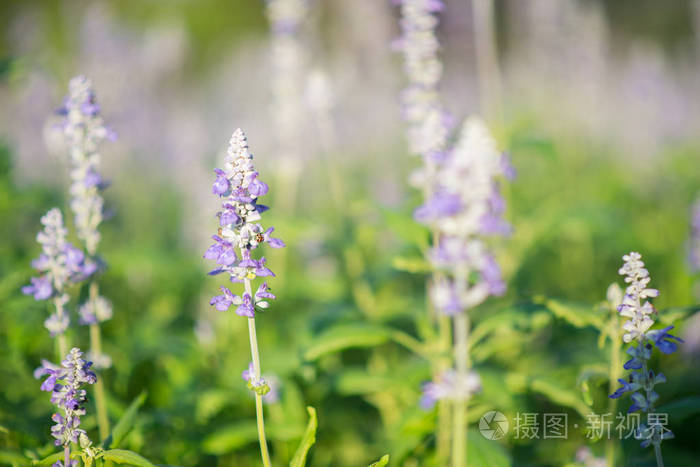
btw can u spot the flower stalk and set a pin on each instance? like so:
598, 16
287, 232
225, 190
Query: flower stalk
642, 380
238, 236
85, 131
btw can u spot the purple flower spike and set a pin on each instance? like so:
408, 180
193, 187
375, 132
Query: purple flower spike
640, 314
65, 383
240, 233
85, 131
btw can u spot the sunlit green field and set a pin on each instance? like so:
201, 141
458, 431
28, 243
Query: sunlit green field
350, 333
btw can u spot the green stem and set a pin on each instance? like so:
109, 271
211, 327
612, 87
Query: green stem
657, 452
255, 356
96, 347
614, 375
62, 339
656, 440
442, 363
459, 439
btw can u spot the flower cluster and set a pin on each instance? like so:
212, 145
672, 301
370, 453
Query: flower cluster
65, 384
60, 265
239, 232
429, 124
694, 244
464, 209
85, 131
268, 385
450, 385
640, 313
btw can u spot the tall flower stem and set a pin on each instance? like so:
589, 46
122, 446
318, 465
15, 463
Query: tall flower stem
66, 454
648, 387
96, 347
611, 445
444, 409
255, 357
459, 437
657, 452
62, 339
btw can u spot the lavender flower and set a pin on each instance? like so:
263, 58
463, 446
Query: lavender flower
450, 385
466, 208
642, 380
240, 233
65, 384
60, 265
85, 131
428, 122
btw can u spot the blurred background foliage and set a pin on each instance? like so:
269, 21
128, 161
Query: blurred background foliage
594, 182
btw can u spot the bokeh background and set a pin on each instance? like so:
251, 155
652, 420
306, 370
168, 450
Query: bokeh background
599, 114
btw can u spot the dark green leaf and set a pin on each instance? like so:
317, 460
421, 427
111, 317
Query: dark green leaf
681, 409
124, 425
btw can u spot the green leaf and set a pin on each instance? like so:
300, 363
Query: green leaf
344, 336
354, 382
56, 457
675, 314
560, 394
481, 451
122, 456
381, 462
415, 265
299, 459
230, 438
124, 425
580, 316
13, 458
681, 409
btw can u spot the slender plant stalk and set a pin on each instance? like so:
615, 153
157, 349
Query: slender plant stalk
62, 339
655, 441
255, 356
66, 454
459, 440
96, 347
444, 409
611, 445
657, 452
